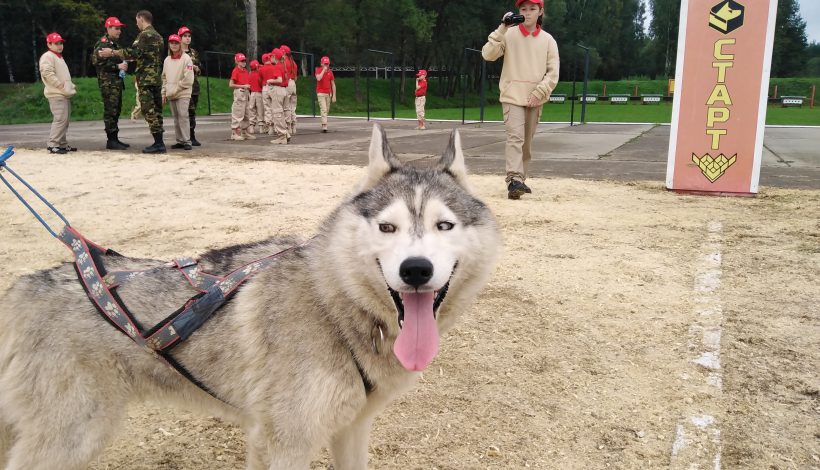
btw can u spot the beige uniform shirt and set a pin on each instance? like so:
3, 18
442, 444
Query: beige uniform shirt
530, 63
54, 72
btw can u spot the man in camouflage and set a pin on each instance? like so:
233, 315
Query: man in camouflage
148, 51
109, 81
185, 33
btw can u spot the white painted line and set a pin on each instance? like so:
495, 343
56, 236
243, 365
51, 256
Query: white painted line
697, 441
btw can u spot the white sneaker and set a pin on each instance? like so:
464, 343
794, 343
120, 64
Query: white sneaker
235, 136
249, 136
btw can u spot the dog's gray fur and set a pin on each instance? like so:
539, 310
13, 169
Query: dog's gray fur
280, 352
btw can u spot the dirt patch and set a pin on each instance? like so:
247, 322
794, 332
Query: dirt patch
575, 356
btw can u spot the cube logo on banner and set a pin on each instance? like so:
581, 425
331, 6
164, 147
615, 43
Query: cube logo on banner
721, 81
726, 16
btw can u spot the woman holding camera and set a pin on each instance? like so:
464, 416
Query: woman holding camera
529, 75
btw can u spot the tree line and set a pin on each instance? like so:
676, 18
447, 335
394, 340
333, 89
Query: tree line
420, 33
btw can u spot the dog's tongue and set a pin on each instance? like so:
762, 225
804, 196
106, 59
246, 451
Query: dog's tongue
417, 343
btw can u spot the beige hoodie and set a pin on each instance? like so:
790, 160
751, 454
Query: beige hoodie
177, 77
530, 64
54, 72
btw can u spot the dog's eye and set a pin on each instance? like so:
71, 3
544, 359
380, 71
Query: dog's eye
387, 228
445, 225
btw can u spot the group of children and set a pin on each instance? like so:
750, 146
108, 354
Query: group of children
264, 96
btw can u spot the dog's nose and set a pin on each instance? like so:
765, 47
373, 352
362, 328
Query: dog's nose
416, 271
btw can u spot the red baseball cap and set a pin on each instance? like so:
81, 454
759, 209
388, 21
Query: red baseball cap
54, 37
325, 60
254, 64
421, 72
239, 57
265, 57
113, 21
278, 53
537, 2
183, 30
285, 49
174, 38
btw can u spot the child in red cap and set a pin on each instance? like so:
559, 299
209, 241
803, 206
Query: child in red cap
325, 89
421, 97
256, 106
184, 33
240, 114
177, 87
278, 79
265, 73
58, 89
528, 77
292, 71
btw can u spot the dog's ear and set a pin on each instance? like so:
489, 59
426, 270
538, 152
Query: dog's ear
382, 159
453, 160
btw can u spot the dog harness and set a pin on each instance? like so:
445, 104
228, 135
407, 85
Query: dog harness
100, 286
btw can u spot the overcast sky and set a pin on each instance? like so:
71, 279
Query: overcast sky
809, 10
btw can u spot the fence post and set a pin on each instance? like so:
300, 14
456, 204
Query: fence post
483, 98
604, 89
586, 83
635, 93
207, 83
813, 93
775, 92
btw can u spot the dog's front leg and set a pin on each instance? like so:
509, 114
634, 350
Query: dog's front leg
349, 446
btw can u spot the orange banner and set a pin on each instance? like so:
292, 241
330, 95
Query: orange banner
721, 85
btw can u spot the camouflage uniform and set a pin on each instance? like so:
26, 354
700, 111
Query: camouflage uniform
147, 50
195, 90
110, 83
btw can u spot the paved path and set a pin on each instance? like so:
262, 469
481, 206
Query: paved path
791, 156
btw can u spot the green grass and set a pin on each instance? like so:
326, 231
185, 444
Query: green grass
24, 103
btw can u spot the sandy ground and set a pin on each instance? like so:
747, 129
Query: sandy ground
579, 354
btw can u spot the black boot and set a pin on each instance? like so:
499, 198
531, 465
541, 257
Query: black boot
158, 146
194, 142
112, 143
117, 138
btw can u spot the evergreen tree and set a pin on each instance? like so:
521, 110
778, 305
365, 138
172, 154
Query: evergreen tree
790, 43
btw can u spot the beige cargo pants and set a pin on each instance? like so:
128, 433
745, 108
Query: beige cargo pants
256, 109
280, 124
240, 114
520, 123
324, 106
61, 111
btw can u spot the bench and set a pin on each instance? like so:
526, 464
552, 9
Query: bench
651, 99
619, 99
792, 101
560, 99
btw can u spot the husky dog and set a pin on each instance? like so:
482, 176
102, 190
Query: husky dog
305, 355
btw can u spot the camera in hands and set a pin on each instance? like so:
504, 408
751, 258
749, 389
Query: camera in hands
511, 19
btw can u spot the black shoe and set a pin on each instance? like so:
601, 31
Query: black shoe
526, 188
515, 189
187, 147
178, 146
112, 143
194, 142
116, 137
157, 147
57, 150
69, 148
324, 130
